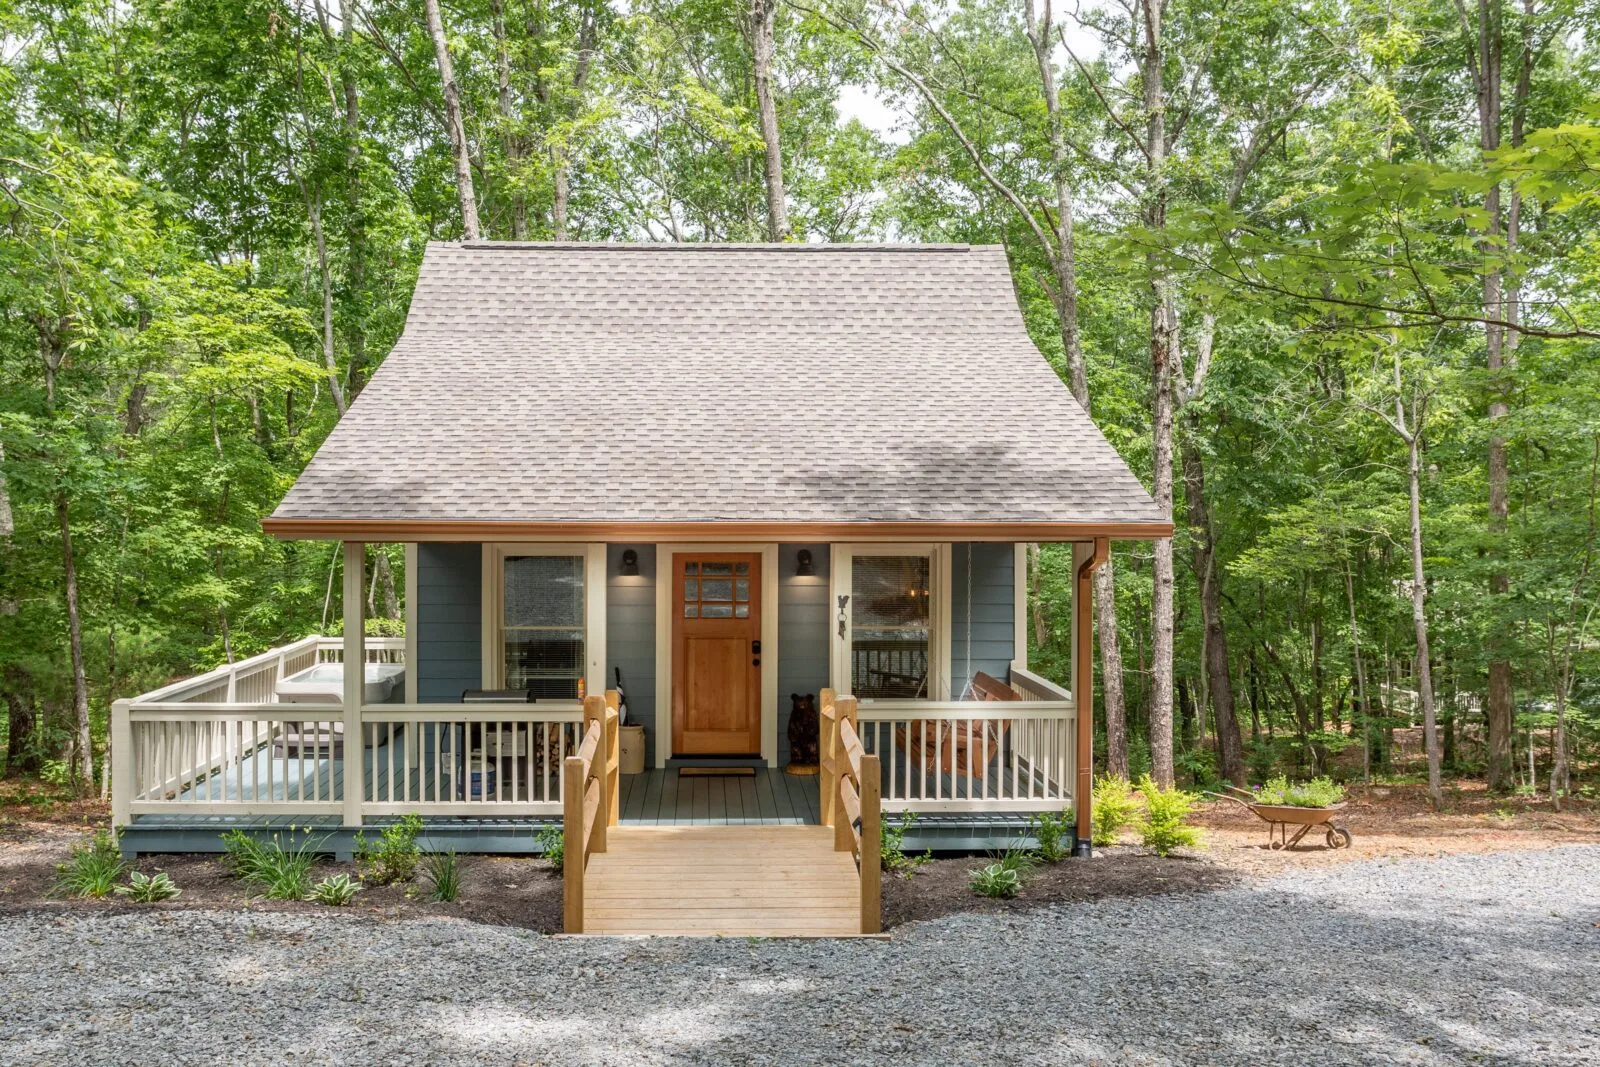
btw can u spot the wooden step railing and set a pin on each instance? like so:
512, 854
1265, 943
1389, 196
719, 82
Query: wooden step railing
589, 801
851, 801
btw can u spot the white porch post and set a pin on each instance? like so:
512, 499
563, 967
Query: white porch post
355, 678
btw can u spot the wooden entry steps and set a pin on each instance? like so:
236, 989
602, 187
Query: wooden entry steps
734, 881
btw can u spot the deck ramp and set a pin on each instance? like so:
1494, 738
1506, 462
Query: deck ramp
735, 881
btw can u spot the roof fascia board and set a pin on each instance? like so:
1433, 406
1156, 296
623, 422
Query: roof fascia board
406, 530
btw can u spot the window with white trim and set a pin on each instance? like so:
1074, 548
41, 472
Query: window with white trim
891, 611
539, 610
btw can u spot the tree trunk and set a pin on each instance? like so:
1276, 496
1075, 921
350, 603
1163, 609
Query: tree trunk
1361, 675
453, 119
1064, 296
356, 238
325, 273
1484, 64
763, 23
383, 578
510, 137
1163, 336
1111, 688
1041, 623
84, 771
23, 758
1230, 746
1419, 616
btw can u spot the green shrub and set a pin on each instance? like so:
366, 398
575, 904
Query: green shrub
147, 889
94, 868
1111, 809
443, 872
1163, 828
891, 838
280, 875
394, 856
1317, 793
1050, 830
1003, 877
244, 856
337, 890
553, 845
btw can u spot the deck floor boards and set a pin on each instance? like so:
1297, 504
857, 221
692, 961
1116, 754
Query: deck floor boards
722, 880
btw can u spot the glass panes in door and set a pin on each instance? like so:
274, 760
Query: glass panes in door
543, 624
713, 590
890, 626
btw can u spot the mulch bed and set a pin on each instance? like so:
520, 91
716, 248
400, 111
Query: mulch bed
500, 890
941, 887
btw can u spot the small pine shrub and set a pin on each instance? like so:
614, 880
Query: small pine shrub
336, 890
394, 856
1003, 878
147, 889
891, 839
1050, 830
1317, 793
1111, 808
553, 845
443, 872
94, 868
1164, 829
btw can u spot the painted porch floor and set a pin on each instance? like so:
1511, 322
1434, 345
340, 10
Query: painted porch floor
722, 880
770, 797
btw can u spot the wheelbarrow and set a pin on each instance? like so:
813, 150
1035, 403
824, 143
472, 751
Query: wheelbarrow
1280, 818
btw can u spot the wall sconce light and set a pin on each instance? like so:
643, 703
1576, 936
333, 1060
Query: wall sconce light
802, 564
630, 563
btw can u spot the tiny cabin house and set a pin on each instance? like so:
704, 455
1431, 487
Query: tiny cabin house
716, 478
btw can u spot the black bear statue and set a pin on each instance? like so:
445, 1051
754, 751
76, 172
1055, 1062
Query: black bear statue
802, 734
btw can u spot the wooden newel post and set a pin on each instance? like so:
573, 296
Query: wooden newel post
594, 716
613, 750
827, 736
572, 844
871, 848
843, 839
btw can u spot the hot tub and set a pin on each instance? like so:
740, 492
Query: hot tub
324, 684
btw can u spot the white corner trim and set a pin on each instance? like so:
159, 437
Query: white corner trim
411, 622
1019, 606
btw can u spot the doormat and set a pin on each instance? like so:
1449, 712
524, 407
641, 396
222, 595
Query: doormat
716, 772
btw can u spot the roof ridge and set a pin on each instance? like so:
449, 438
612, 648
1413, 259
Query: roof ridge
711, 246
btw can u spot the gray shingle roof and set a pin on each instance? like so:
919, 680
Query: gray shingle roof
696, 383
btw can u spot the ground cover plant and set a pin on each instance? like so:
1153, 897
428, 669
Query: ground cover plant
94, 867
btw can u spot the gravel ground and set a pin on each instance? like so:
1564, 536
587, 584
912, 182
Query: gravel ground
1484, 959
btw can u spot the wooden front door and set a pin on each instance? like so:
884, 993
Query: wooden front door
716, 654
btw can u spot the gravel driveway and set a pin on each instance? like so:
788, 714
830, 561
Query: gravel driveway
1485, 959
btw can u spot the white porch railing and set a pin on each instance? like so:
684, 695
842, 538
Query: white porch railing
973, 756
222, 743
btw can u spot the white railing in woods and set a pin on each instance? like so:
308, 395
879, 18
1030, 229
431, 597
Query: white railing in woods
970, 756
255, 680
460, 759
222, 743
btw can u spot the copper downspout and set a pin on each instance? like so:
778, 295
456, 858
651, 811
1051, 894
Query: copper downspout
1083, 695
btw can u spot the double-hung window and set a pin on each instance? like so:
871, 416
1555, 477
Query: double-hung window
543, 607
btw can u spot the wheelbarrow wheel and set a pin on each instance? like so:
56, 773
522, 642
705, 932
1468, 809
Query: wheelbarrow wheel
1338, 838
